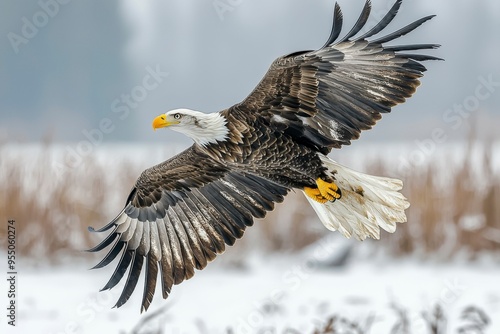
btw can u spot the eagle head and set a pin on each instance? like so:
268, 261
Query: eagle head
202, 128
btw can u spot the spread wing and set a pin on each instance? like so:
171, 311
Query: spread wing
325, 98
178, 217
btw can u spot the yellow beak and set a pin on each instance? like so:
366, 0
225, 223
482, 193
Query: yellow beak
160, 122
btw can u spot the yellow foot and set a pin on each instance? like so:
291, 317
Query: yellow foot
326, 191
315, 194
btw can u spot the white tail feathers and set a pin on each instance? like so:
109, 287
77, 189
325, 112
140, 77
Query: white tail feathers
368, 202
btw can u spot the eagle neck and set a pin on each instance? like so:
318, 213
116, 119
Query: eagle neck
213, 129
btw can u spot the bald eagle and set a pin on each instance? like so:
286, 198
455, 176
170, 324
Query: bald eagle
182, 212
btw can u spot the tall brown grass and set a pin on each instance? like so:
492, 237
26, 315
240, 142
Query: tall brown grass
54, 209
446, 218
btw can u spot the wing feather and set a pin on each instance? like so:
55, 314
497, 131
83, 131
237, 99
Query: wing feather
143, 248
136, 237
120, 270
179, 216
149, 282
132, 279
197, 234
193, 245
403, 31
129, 233
113, 252
360, 23
325, 98
106, 242
166, 263
336, 26
176, 249
386, 20
412, 47
229, 232
216, 239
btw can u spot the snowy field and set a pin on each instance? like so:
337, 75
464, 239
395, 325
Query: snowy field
270, 295
365, 289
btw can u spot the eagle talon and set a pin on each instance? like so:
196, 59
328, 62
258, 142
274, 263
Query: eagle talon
329, 190
326, 191
315, 194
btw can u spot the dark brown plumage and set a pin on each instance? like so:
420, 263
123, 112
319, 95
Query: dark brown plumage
181, 213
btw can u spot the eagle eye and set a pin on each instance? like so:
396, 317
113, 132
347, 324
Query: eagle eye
177, 116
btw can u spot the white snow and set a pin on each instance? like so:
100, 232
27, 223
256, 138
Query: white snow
279, 292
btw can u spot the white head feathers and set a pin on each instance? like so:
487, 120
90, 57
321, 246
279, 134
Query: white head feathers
202, 128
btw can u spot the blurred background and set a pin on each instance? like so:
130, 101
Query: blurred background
81, 81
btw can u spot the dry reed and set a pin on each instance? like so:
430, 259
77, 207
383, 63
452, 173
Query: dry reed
54, 209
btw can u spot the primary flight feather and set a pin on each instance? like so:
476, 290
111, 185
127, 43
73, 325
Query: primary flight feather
183, 212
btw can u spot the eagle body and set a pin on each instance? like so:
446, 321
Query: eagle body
183, 212
269, 153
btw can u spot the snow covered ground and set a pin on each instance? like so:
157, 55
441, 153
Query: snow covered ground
267, 293
278, 292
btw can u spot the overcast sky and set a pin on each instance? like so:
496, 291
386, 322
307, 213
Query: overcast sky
71, 68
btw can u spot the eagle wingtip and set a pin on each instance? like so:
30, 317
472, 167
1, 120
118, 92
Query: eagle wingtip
104, 228
91, 250
338, 19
